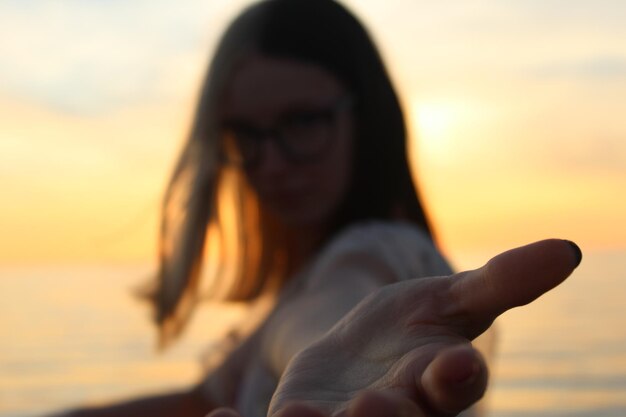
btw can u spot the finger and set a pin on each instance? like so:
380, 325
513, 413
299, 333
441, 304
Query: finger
383, 404
513, 278
454, 380
223, 412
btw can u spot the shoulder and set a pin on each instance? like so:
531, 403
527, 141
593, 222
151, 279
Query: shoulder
397, 250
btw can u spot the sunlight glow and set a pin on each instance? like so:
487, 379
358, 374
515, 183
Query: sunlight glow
530, 138
434, 123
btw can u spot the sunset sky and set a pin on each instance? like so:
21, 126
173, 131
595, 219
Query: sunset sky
519, 109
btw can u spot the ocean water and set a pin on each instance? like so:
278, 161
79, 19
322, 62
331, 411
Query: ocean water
74, 335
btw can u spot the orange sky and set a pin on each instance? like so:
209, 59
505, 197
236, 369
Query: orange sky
518, 110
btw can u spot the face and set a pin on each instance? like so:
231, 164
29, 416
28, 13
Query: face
291, 127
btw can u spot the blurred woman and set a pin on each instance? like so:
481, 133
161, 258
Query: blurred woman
295, 185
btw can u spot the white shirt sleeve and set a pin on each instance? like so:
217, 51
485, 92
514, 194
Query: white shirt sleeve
398, 250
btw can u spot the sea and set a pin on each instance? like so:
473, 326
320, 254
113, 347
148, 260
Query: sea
78, 334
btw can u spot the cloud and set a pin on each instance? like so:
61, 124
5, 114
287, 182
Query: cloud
93, 56
595, 68
596, 155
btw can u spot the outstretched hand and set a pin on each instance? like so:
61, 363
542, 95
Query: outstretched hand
405, 350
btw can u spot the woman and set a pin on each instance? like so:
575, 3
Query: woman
295, 183
299, 128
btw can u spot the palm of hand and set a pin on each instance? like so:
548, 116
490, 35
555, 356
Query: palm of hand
385, 343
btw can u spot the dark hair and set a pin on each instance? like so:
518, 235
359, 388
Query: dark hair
320, 32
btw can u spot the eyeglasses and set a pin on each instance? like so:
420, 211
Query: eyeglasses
301, 135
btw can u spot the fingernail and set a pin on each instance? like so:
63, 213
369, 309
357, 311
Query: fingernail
578, 254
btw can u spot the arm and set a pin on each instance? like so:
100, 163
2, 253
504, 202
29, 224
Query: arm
189, 403
420, 363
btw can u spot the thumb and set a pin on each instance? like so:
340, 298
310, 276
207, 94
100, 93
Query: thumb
511, 279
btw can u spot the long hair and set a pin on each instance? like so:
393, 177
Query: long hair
209, 204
